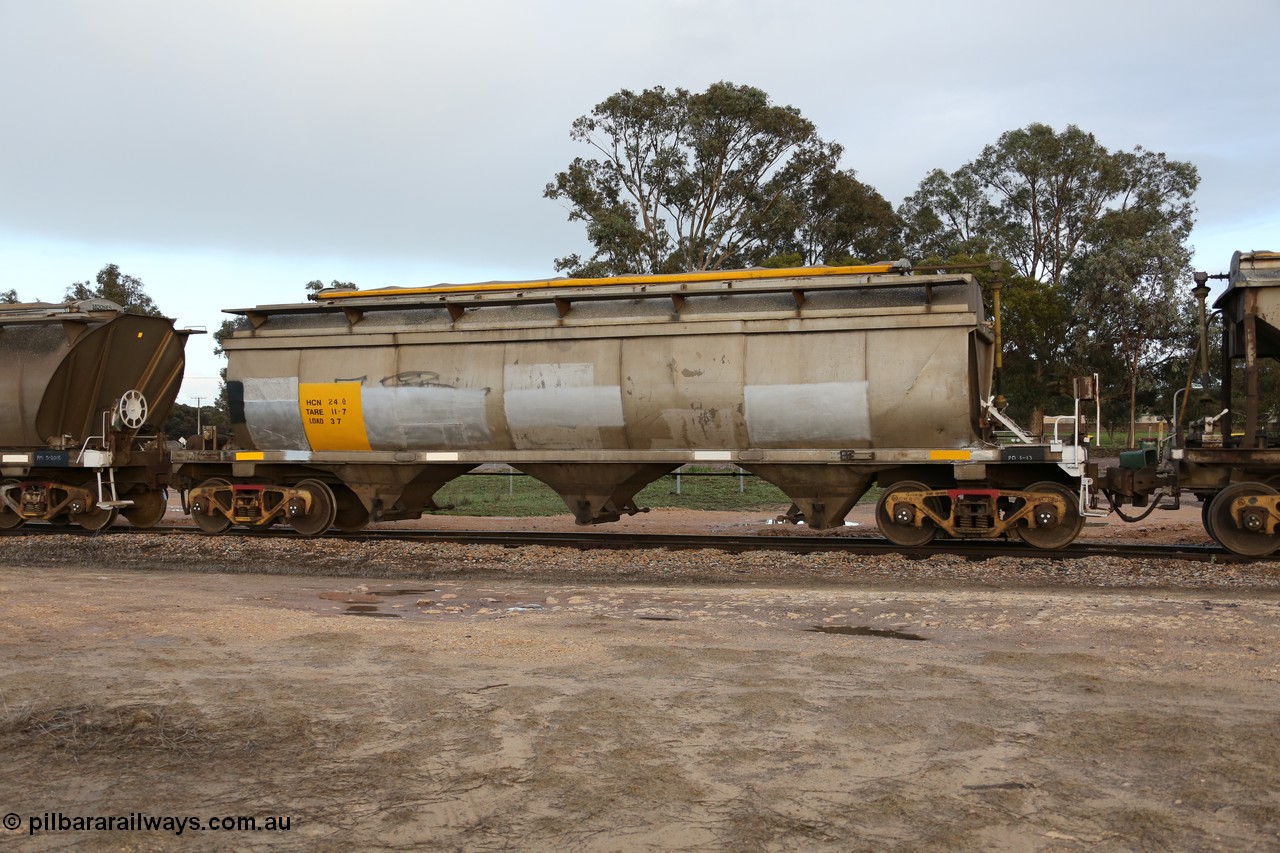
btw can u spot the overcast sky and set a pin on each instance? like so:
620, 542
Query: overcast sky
228, 152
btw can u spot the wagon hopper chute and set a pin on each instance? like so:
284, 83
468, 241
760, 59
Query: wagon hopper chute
820, 380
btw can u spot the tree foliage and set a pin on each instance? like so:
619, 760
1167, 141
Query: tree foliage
124, 290
185, 421
949, 215
695, 181
826, 215
316, 285
1097, 242
1134, 289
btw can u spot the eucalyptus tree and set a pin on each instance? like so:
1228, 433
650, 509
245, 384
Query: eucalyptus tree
694, 181
124, 290
316, 285
1098, 245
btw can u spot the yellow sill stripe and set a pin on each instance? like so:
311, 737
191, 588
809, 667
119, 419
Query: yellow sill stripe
249, 456
675, 278
952, 455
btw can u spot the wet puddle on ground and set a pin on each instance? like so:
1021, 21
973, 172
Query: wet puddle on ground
369, 601
368, 610
863, 631
450, 602
418, 603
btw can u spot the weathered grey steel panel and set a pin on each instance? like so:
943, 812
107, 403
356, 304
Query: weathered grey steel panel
684, 392
403, 417
920, 395
704, 370
559, 406
834, 414
272, 413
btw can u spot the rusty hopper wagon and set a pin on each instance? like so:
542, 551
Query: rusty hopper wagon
87, 388
821, 380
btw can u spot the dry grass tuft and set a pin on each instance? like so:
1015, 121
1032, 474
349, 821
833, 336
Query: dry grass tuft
85, 728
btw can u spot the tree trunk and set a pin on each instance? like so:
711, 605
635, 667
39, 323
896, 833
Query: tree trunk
1133, 411
1133, 398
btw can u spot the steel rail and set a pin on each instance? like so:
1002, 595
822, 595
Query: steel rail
729, 543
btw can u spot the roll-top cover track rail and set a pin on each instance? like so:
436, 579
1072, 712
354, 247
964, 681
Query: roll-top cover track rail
563, 292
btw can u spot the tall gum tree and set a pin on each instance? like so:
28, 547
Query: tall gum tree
1098, 245
124, 290
695, 181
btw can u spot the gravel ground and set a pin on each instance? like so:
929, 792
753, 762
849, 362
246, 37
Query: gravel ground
550, 699
342, 558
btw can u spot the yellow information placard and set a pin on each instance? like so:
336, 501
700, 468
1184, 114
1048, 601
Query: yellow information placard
332, 415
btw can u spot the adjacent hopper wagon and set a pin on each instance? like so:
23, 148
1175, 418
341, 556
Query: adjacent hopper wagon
87, 389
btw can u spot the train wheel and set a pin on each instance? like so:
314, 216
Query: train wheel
215, 522
1240, 540
10, 520
1204, 519
148, 508
95, 519
897, 524
352, 516
324, 509
1058, 532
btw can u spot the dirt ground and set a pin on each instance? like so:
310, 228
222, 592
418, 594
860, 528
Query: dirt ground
495, 714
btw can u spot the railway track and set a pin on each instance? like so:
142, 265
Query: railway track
792, 544
976, 550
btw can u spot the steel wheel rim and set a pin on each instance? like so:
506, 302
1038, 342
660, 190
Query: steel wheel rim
324, 509
906, 535
218, 522
1222, 527
1065, 531
1204, 519
95, 519
148, 509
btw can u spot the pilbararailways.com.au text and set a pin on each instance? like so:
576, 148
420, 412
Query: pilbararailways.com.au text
142, 822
